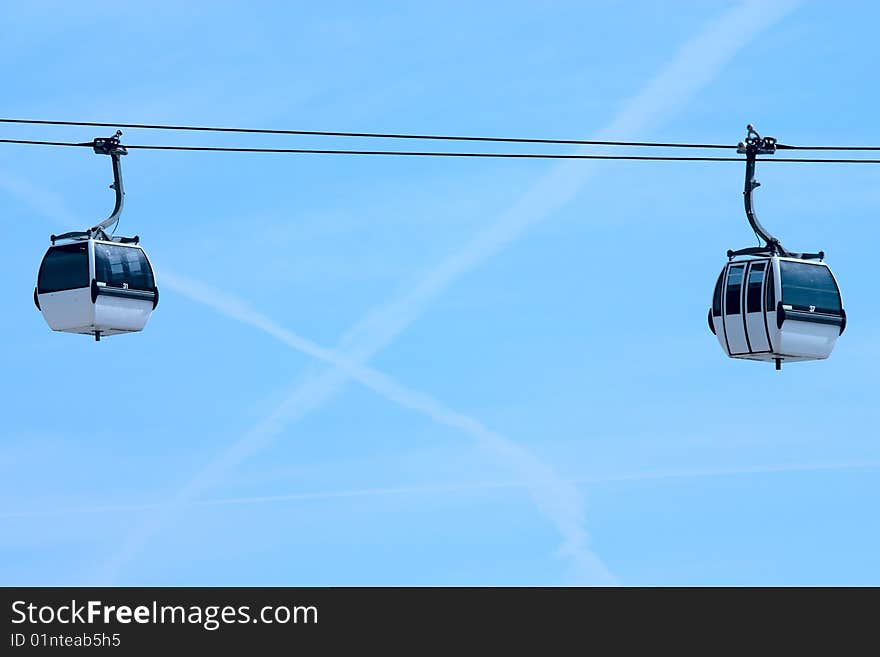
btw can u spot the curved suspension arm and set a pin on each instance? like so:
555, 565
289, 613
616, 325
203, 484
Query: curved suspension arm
111, 146
753, 145
750, 186
105, 146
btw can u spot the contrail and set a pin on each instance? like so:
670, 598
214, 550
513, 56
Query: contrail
457, 487
696, 64
558, 499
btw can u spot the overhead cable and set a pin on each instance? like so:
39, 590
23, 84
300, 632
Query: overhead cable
535, 156
370, 135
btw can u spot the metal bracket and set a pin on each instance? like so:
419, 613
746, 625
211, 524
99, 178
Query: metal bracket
754, 141
752, 146
106, 146
111, 146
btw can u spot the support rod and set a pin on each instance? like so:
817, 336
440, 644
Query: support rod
753, 146
111, 146
106, 146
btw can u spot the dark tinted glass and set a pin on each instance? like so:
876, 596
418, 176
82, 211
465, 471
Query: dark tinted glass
805, 285
716, 298
64, 267
753, 294
734, 289
771, 290
122, 266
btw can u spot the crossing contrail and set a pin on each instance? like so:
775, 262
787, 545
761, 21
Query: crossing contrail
696, 64
557, 498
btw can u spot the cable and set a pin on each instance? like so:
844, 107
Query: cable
819, 160
382, 135
536, 156
378, 135
316, 151
42, 143
828, 148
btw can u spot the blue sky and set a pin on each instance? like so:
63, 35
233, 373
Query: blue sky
416, 371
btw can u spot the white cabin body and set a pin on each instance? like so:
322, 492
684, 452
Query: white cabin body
96, 287
777, 309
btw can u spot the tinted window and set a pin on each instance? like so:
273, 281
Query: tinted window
771, 290
753, 294
805, 285
64, 267
734, 289
122, 266
716, 298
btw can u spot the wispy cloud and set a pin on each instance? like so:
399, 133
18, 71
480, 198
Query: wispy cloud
39, 198
441, 489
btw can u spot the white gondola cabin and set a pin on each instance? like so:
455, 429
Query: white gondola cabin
96, 287
777, 309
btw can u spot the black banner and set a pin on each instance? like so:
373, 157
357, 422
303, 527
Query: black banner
416, 620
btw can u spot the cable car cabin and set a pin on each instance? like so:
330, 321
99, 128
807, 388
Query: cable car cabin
777, 309
96, 287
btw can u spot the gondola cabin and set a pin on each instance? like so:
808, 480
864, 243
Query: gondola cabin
96, 287
777, 309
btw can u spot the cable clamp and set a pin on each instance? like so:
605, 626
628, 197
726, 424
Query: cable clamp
109, 145
756, 143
